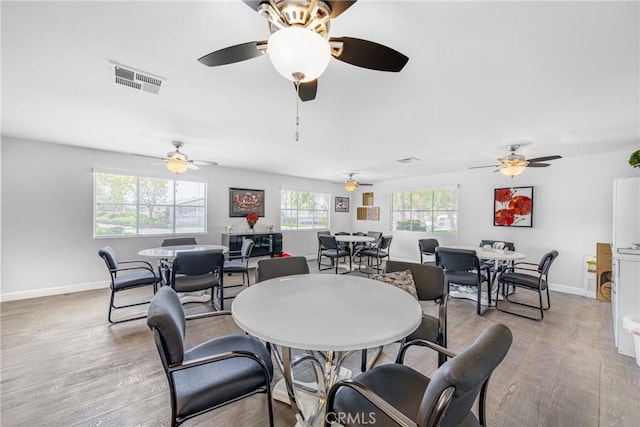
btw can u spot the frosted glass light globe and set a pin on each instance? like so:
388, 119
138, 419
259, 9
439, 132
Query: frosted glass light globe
177, 166
351, 185
512, 169
299, 50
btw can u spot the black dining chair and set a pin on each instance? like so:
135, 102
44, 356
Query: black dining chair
179, 241
239, 263
395, 394
462, 267
377, 253
321, 248
270, 268
199, 271
377, 235
358, 246
332, 251
344, 245
431, 287
529, 276
164, 265
126, 275
427, 247
211, 374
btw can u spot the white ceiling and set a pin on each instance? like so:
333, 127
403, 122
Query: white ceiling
562, 76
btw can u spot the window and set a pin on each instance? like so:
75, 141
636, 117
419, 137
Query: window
303, 210
130, 205
434, 210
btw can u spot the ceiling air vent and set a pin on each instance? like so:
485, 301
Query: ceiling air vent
408, 160
136, 79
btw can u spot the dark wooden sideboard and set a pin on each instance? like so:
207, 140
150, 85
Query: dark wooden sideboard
266, 244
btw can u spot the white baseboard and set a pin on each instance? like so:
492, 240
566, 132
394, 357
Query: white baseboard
59, 290
566, 289
14, 296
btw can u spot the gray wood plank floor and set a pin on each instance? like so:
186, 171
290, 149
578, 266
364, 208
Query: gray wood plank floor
62, 364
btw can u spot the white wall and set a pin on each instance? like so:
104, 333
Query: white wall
572, 211
47, 205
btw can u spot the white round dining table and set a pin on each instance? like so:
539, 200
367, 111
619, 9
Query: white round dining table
353, 239
491, 253
325, 313
349, 238
170, 252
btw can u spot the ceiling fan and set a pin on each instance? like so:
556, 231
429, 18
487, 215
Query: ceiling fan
178, 162
351, 184
514, 164
300, 47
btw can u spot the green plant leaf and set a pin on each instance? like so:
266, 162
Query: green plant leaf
634, 160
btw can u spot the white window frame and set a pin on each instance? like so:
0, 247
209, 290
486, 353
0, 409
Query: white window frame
314, 225
417, 214
138, 203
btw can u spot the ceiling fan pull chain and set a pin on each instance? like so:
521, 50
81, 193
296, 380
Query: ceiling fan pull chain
298, 78
297, 113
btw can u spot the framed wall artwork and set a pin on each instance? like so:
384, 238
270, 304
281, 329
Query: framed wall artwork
513, 207
342, 204
243, 201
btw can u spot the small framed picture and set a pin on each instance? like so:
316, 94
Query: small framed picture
342, 204
513, 207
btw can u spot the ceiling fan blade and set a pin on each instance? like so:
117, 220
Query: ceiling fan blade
192, 166
544, 159
363, 184
231, 54
538, 165
338, 6
148, 157
253, 4
479, 167
308, 90
204, 163
367, 54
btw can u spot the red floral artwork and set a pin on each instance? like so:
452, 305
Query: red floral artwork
513, 207
521, 205
504, 217
503, 195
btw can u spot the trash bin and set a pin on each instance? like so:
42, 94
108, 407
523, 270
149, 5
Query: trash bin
632, 325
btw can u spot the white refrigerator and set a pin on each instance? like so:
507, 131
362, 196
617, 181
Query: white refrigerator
626, 212
625, 287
